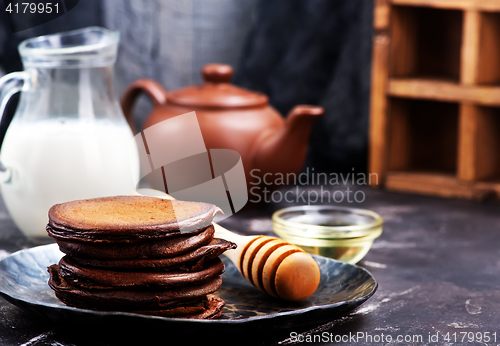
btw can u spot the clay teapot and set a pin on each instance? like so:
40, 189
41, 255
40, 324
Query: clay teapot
234, 118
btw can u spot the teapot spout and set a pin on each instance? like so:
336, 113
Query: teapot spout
285, 151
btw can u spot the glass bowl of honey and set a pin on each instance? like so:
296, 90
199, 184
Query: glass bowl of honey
343, 233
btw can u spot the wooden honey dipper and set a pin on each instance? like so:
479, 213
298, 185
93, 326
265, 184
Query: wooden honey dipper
271, 264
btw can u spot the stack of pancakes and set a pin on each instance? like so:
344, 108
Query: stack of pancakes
138, 254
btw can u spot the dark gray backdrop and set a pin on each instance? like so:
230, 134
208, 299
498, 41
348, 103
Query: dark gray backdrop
295, 51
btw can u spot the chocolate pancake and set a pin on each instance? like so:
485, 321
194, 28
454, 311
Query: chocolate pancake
138, 254
128, 299
127, 218
170, 247
208, 308
93, 278
187, 262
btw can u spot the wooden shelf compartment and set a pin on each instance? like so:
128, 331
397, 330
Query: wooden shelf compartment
421, 159
479, 143
422, 136
488, 60
435, 98
425, 43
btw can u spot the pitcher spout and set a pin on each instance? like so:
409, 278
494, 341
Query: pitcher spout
285, 151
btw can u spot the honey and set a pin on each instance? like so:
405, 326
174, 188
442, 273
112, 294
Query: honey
345, 234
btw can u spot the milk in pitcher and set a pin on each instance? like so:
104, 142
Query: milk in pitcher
63, 159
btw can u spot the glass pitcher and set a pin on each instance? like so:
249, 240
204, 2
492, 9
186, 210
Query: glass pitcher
68, 139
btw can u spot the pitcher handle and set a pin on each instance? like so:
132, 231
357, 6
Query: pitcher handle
151, 88
11, 84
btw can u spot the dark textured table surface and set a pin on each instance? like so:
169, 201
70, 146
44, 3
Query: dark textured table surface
437, 264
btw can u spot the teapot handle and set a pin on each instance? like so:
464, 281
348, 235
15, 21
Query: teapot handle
151, 88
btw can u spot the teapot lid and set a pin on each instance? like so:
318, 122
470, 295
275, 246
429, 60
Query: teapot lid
217, 91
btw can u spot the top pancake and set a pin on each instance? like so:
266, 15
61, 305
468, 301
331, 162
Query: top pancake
127, 218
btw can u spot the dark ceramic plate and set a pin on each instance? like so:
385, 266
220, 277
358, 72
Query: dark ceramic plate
343, 287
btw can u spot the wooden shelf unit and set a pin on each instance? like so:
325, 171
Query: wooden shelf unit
435, 97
